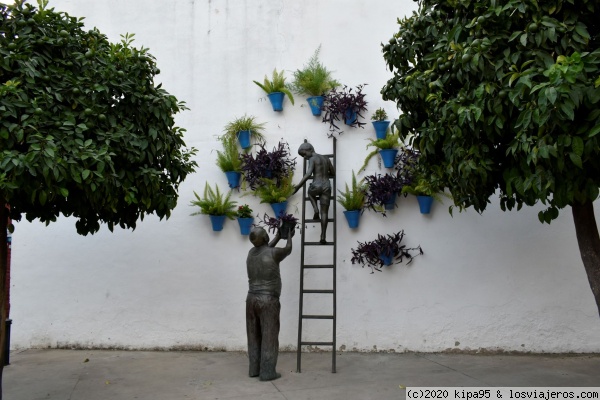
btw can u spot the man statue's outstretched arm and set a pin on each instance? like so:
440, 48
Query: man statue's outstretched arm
279, 253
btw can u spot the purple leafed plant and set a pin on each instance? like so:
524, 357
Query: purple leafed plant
369, 253
274, 164
337, 104
380, 190
406, 164
272, 224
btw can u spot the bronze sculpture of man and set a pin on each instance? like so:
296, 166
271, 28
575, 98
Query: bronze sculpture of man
262, 302
321, 168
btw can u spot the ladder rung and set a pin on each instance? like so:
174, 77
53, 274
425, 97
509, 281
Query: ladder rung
317, 291
318, 244
317, 220
316, 343
319, 266
317, 316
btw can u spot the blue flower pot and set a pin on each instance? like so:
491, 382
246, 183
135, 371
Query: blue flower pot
244, 139
268, 173
353, 218
391, 203
279, 208
245, 225
217, 222
233, 178
276, 99
425, 203
381, 128
387, 260
388, 156
349, 117
316, 105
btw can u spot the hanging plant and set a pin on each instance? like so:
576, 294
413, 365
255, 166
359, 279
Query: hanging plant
244, 211
345, 105
353, 200
276, 164
384, 251
390, 142
314, 80
216, 205
353, 197
382, 191
214, 202
276, 89
245, 129
406, 164
380, 122
379, 115
275, 190
228, 160
284, 223
245, 218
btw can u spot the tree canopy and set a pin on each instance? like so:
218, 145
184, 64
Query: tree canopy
85, 131
502, 97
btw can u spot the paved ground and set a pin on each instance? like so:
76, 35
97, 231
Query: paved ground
116, 375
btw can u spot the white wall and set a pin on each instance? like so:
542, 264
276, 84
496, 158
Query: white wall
497, 281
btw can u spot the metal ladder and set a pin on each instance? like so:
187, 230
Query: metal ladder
303, 267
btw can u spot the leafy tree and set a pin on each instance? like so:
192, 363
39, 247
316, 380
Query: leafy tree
84, 130
502, 98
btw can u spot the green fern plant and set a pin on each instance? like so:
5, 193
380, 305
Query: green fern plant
276, 84
229, 159
391, 141
313, 79
275, 191
353, 198
213, 202
246, 123
425, 187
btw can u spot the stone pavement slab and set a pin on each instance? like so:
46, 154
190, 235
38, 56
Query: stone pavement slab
120, 375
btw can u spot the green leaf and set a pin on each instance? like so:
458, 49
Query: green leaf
594, 131
43, 197
577, 145
513, 77
514, 35
576, 159
551, 94
581, 29
568, 110
523, 39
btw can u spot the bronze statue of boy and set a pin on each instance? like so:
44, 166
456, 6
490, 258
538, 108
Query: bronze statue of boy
262, 302
321, 168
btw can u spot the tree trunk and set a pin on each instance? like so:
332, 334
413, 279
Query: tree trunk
589, 244
3, 299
